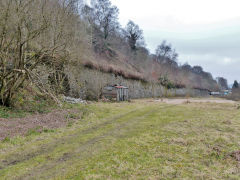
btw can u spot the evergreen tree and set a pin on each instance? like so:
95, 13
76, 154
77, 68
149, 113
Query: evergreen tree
235, 85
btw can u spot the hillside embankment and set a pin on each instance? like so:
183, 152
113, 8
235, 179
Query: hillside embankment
87, 84
48, 52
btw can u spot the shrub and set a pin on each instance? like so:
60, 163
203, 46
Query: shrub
29, 99
164, 81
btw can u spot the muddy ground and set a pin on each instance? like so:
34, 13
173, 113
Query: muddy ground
38, 122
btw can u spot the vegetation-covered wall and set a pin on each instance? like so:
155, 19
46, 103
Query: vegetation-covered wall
60, 35
88, 84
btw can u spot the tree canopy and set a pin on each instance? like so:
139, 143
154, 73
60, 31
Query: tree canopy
105, 16
165, 52
134, 34
235, 85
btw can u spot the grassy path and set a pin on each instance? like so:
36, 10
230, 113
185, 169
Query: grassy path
140, 140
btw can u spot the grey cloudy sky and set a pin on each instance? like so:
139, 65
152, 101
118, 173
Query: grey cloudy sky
204, 32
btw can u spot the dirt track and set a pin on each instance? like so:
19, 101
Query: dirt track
121, 139
59, 118
192, 100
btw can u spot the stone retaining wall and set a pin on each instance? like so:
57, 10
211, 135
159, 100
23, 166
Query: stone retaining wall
87, 84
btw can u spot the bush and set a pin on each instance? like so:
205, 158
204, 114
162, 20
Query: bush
164, 81
31, 100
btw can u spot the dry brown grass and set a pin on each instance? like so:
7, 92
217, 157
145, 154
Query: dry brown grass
115, 69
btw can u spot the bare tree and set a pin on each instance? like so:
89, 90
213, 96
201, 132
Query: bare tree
17, 32
134, 34
222, 82
105, 15
174, 55
29, 37
197, 69
165, 52
186, 67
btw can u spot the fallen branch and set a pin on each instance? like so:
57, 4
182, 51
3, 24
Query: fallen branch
41, 86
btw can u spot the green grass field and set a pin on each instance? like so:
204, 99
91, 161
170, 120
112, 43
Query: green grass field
138, 140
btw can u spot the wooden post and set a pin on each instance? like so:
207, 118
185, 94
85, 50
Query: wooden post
118, 95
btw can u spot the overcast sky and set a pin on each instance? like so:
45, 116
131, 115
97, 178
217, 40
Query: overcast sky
204, 32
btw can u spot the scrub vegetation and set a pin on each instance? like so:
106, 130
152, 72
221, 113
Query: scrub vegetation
144, 139
45, 45
41, 42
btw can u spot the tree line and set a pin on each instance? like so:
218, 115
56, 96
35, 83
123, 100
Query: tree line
58, 33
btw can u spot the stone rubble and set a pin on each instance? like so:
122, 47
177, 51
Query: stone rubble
72, 100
